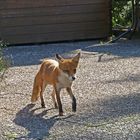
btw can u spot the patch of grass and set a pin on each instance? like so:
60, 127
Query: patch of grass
10, 136
4, 63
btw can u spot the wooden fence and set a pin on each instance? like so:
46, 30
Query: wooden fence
34, 21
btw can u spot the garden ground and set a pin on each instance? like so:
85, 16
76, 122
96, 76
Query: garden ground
107, 93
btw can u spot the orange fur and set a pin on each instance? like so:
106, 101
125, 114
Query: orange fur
59, 74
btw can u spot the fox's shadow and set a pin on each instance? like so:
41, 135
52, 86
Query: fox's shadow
37, 126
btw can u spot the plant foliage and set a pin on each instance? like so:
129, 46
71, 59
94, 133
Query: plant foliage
121, 13
3, 63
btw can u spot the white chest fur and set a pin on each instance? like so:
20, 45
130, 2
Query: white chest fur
64, 80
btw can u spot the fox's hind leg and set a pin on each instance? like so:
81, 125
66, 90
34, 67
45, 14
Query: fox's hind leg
43, 86
53, 94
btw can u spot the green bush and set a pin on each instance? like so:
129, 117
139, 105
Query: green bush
121, 13
3, 63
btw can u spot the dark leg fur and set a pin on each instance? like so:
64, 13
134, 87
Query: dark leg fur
73, 99
54, 100
41, 95
73, 104
42, 102
57, 92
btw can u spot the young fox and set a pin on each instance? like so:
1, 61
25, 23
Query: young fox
60, 74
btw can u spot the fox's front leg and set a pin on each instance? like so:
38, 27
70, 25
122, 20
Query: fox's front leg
73, 99
57, 92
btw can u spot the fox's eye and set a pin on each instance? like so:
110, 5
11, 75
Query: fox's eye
74, 70
66, 71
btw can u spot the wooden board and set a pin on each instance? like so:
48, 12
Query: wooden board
45, 21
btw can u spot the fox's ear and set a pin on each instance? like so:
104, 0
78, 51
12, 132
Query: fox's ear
59, 58
76, 58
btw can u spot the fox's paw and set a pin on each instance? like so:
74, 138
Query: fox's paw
34, 99
60, 113
55, 106
74, 110
43, 106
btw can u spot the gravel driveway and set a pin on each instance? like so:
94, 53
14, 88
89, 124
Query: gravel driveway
107, 92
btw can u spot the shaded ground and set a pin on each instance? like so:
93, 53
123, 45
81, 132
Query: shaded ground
107, 92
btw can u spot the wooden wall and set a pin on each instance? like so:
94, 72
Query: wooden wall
33, 21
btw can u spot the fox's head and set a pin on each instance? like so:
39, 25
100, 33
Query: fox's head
68, 66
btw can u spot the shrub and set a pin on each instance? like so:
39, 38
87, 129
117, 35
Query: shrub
121, 13
3, 62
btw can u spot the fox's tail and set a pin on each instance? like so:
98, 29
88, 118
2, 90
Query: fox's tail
36, 89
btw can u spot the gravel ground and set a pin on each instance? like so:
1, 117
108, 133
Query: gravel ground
107, 92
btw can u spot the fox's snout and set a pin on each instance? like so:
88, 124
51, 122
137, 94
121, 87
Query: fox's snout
72, 78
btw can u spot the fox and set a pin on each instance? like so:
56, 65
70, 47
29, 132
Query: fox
59, 73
